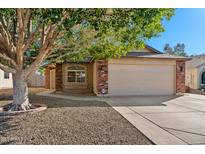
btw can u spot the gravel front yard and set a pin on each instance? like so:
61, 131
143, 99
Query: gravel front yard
69, 122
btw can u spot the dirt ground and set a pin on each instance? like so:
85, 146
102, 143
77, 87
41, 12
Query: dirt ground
68, 122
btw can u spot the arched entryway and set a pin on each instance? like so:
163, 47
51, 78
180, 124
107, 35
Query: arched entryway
78, 77
203, 77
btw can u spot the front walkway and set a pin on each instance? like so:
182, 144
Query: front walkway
51, 93
163, 119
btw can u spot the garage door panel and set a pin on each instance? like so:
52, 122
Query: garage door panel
140, 79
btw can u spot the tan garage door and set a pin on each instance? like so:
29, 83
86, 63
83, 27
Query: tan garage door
141, 79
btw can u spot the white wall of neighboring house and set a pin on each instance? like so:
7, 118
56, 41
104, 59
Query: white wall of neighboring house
5, 83
35, 80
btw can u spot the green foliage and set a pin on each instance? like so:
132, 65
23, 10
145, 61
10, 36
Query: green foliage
41, 70
105, 35
168, 49
99, 33
178, 50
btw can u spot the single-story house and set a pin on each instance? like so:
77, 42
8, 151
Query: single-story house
5, 80
143, 72
195, 72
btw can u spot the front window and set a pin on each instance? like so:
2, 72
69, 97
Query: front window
76, 74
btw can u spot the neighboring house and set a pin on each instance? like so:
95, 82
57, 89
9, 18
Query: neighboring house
35, 80
5, 80
144, 72
195, 72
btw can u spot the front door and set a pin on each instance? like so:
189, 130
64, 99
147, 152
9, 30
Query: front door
53, 79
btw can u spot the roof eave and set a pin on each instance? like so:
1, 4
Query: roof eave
186, 59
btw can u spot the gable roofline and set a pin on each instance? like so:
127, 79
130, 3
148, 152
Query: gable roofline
153, 49
198, 56
154, 53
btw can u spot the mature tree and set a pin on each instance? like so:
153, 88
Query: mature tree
178, 50
168, 49
30, 37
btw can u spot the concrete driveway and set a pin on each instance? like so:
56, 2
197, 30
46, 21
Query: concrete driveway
165, 119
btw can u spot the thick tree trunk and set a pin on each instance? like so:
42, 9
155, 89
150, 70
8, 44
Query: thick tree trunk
20, 92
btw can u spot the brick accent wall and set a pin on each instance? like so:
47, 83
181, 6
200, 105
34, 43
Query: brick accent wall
47, 78
180, 76
59, 76
102, 76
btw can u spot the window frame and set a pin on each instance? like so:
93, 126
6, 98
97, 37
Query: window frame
6, 75
84, 70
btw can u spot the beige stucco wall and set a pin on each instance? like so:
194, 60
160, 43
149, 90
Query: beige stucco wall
5, 83
194, 68
146, 50
191, 78
142, 61
195, 62
89, 77
136, 76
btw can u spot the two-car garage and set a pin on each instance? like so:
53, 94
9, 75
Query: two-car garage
132, 76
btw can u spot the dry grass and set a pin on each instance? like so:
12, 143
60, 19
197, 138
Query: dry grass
69, 122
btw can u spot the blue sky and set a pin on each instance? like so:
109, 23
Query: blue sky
186, 26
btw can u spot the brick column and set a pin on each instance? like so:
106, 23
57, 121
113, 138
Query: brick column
180, 76
102, 76
59, 76
47, 77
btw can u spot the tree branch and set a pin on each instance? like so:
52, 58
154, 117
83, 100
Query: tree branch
7, 69
49, 36
6, 58
41, 56
20, 39
6, 34
4, 26
5, 46
26, 17
31, 38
